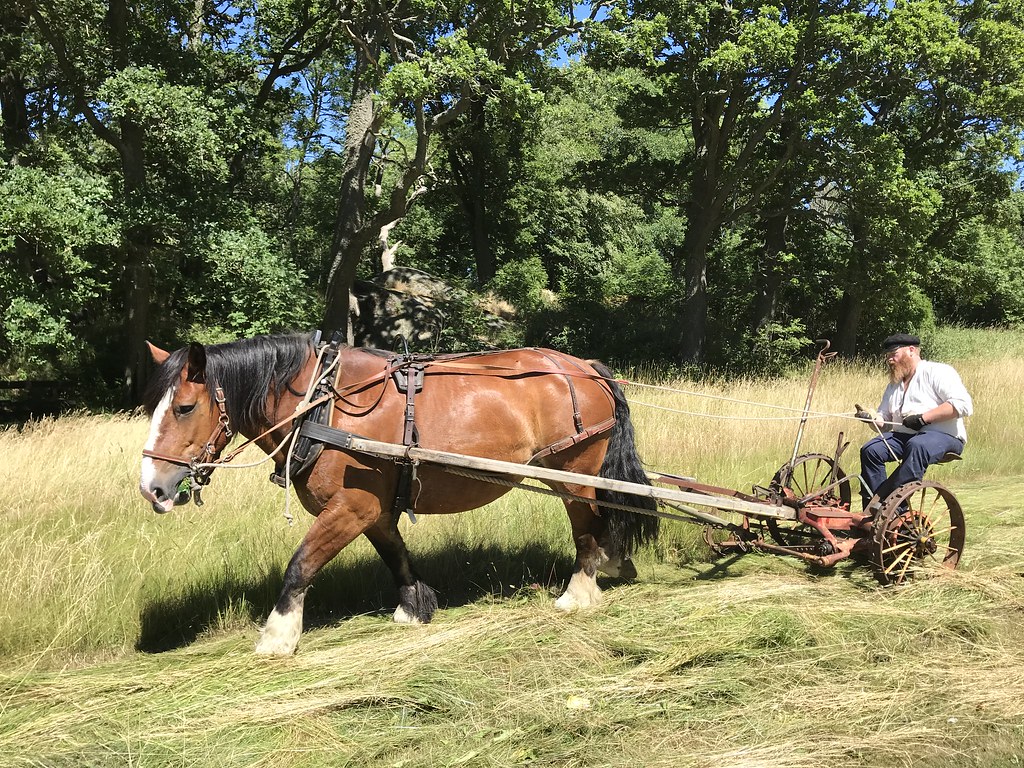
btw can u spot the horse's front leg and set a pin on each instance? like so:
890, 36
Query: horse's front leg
416, 601
347, 515
587, 529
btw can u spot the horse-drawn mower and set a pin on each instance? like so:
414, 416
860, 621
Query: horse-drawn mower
805, 511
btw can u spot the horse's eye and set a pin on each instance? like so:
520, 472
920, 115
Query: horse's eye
184, 410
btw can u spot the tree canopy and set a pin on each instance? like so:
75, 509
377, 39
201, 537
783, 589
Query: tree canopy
679, 181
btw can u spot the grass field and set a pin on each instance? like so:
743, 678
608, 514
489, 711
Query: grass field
126, 638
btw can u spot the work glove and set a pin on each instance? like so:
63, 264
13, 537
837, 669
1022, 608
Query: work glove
867, 416
914, 421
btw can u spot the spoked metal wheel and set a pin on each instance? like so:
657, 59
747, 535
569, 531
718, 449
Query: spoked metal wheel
807, 475
922, 529
811, 472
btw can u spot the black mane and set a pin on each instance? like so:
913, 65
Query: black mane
249, 371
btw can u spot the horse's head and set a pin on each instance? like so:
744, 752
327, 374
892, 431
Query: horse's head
189, 427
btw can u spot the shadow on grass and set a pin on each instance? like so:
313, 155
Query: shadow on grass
857, 568
461, 575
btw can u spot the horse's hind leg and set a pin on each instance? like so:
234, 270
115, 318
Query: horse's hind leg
416, 601
582, 590
340, 522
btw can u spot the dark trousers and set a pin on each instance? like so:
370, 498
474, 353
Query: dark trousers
916, 451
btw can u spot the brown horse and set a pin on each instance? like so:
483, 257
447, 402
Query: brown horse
523, 405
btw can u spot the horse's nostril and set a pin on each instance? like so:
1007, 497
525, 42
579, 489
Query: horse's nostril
159, 493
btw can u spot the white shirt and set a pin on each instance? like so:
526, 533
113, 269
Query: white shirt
932, 385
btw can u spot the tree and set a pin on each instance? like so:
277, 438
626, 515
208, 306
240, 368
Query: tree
786, 103
943, 82
415, 71
173, 104
729, 74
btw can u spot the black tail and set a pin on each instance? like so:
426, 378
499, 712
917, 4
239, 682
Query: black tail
627, 531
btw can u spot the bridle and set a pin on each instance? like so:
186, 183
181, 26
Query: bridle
201, 466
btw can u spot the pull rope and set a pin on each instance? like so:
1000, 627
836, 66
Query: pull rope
739, 401
721, 416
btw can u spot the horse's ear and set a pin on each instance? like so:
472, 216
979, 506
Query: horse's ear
157, 354
196, 366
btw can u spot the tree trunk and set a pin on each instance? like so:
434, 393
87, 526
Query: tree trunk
693, 255
197, 24
769, 270
351, 236
13, 93
470, 172
137, 288
476, 209
138, 244
130, 143
851, 305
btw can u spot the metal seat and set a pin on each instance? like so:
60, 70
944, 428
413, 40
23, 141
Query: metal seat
949, 456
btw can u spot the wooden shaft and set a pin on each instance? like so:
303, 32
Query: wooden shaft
395, 451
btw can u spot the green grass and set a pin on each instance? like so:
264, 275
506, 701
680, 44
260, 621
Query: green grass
126, 638
953, 343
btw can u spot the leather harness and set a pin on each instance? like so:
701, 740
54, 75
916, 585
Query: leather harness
307, 449
409, 374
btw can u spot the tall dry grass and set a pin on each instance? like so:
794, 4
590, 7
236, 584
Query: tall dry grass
125, 637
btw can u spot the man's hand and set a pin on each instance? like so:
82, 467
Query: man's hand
867, 416
914, 421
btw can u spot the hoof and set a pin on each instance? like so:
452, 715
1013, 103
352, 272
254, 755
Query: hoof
404, 617
274, 647
416, 604
280, 636
582, 592
619, 568
567, 603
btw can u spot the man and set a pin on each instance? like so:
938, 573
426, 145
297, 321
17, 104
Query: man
920, 419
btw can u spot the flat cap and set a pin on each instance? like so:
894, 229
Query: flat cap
901, 340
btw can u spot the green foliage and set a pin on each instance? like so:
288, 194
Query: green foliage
148, 166
978, 277
522, 283
248, 288
56, 237
34, 334
59, 213
179, 121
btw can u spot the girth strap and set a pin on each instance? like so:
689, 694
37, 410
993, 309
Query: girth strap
409, 377
569, 442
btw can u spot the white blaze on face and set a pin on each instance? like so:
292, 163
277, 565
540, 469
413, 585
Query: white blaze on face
148, 465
